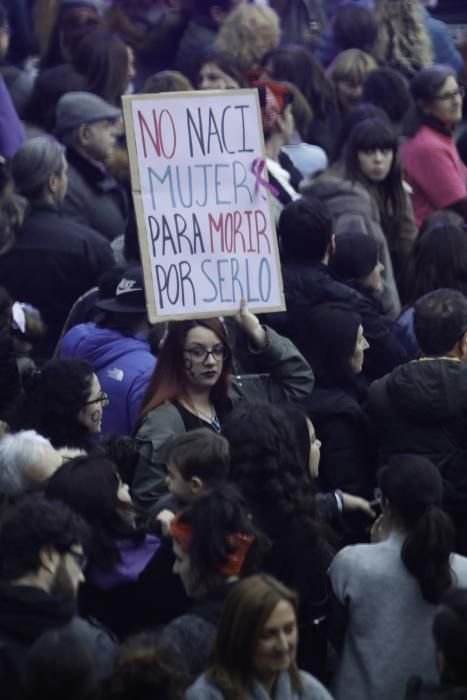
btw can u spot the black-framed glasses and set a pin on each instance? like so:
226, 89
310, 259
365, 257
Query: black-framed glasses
448, 96
103, 398
200, 354
79, 557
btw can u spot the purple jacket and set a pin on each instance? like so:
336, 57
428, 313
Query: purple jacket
11, 132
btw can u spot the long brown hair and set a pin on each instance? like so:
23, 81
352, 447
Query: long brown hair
168, 380
103, 59
45, 15
246, 610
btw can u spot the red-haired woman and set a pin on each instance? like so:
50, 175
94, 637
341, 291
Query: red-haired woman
192, 387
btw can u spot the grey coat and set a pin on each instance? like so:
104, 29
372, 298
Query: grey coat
388, 635
354, 210
312, 689
287, 376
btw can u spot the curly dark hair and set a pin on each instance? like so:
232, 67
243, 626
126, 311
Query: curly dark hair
30, 525
267, 467
53, 398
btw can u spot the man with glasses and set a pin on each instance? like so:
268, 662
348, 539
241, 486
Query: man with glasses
42, 561
87, 125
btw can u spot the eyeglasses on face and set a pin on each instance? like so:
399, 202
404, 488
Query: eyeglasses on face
79, 557
448, 96
103, 398
200, 354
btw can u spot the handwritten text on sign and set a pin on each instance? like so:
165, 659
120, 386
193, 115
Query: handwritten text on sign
208, 230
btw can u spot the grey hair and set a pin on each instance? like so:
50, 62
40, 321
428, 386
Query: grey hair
34, 163
18, 453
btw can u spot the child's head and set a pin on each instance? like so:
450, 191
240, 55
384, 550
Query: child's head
195, 458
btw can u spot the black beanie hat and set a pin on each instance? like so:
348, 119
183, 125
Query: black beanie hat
355, 256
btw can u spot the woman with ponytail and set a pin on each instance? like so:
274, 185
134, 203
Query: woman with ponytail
387, 591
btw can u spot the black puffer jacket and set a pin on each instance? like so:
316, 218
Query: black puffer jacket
311, 284
421, 408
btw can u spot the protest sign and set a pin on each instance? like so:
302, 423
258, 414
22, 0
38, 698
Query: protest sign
205, 226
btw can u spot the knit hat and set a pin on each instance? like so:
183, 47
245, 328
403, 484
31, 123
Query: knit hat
356, 256
76, 108
129, 295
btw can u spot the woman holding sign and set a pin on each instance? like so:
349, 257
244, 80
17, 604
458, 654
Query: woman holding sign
192, 387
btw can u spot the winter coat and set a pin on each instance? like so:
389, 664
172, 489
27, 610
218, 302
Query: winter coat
354, 209
123, 364
421, 408
311, 690
290, 378
348, 453
308, 285
454, 473
387, 633
94, 198
27, 612
52, 262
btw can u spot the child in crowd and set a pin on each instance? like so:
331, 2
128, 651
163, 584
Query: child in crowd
194, 459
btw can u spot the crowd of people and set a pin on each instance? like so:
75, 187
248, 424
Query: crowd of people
247, 507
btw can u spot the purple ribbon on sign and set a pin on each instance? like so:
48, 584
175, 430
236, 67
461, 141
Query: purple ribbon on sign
257, 168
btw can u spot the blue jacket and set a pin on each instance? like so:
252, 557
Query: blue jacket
443, 45
123, 365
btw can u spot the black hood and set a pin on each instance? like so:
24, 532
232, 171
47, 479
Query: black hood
429, 390
26, 612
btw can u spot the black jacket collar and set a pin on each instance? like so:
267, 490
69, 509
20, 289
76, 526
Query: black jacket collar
93, 173
26, 612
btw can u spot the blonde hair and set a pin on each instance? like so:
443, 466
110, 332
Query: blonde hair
353, 65
167, 81
403, 41
248, 33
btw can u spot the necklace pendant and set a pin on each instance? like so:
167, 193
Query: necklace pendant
216, 426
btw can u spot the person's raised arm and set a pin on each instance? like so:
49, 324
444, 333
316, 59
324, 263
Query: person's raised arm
285, 374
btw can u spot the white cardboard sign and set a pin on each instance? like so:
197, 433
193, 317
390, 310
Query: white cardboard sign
199, 182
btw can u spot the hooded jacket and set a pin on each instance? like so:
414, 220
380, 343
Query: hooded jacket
421, 408
354, 209
307, 285
27, 612
123, 365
